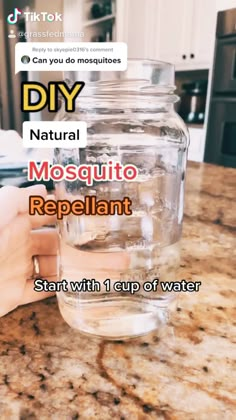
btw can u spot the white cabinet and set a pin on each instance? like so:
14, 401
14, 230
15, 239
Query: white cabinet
202, 32
189, 26
177, 31
171, 35
197, 144
225, 4
135, 26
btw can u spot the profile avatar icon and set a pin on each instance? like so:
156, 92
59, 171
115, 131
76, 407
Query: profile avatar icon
11, 34
25, 59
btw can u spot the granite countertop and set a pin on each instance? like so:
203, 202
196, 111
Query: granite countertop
49, 371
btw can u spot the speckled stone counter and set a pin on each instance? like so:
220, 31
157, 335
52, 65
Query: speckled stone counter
49, 371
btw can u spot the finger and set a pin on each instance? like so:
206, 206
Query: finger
15, 201
30, 295
91, 261
47, 266
44, 241
38, 220
109, 260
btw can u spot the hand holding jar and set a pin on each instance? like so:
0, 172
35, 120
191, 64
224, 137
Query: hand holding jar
28, 250
24, 248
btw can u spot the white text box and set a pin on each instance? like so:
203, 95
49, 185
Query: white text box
52, 134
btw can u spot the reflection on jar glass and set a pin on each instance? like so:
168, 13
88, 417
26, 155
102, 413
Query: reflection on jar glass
131, 119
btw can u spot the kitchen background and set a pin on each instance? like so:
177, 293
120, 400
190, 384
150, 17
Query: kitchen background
184, 32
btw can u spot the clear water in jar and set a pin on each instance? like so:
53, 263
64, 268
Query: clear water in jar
149, 241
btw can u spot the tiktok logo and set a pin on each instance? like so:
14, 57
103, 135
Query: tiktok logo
13, 17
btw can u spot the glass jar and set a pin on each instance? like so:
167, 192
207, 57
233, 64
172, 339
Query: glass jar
131, 119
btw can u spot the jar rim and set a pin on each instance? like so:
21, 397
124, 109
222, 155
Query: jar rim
145, 77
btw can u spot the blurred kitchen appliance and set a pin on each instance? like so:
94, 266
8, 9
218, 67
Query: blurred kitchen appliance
221, 127
12, 116
193, 102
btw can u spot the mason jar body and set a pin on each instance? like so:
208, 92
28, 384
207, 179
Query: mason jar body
126, 257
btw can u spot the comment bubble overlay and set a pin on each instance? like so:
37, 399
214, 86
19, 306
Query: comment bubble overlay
74, 56
51, 134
